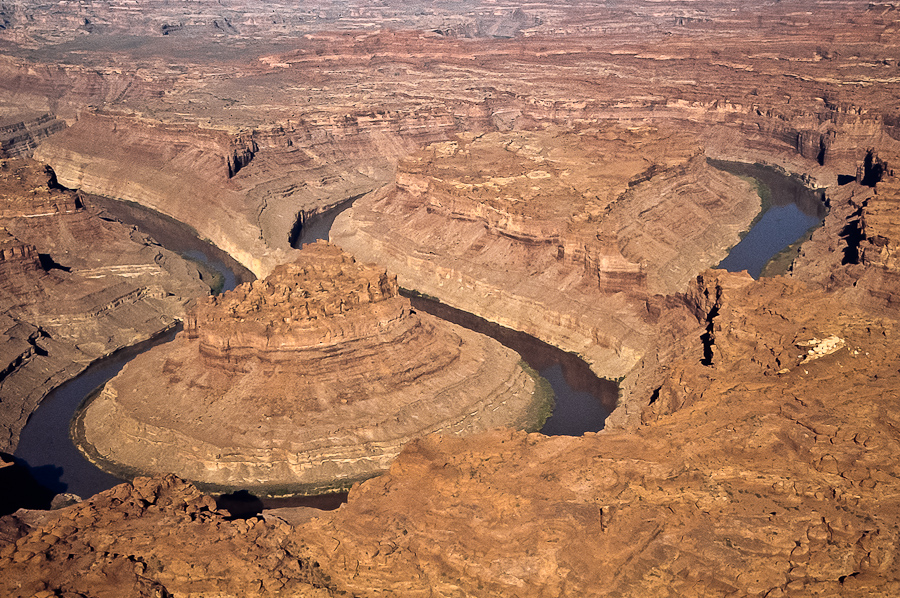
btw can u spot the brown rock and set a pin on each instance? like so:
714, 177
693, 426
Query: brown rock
770, 467
307, 380
531, 229
74, 287
157, 537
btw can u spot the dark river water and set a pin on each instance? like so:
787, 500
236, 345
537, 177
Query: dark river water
583, 401
789, 211
45, 445
226, 273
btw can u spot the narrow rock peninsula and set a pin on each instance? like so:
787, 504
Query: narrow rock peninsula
305, 381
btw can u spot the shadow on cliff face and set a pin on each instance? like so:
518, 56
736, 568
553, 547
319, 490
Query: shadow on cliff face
583, 401
19, 488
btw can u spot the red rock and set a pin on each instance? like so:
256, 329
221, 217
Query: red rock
303, 382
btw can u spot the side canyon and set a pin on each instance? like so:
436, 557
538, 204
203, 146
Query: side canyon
542, 166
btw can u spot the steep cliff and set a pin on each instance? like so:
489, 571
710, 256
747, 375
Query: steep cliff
532, 229
304, 382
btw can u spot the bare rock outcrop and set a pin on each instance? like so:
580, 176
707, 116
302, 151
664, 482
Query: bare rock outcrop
155, 537
531, 229
303, 382
73, 288
767, 470
21, 134
181, 172
760, 452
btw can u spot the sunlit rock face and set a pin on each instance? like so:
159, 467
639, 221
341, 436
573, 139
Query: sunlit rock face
304, 381
756, 451
532, 229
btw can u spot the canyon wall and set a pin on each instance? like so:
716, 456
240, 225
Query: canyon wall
534, 230
757, 453
327, 117
304, 382
75, 287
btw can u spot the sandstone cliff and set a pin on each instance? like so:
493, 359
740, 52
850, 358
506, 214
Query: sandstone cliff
303, 382
757, 453
331, 113
181, 173
532, 229
74, 287
21, 134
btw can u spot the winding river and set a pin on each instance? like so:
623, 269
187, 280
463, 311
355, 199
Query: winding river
790, 210
583, 401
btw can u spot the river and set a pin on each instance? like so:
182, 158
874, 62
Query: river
583, 401
789, 211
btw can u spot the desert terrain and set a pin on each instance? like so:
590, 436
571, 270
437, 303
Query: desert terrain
544, 166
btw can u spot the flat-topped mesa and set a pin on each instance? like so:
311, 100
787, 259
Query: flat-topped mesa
573, 193
29, 189
303, 382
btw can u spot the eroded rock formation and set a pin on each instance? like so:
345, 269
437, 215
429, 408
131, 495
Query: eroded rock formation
74, 287
303, 382
533, 229
21, 134
184, 546
756, 454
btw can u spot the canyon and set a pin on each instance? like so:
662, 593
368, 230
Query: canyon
572, 219
76, 286
752, 451
329, 372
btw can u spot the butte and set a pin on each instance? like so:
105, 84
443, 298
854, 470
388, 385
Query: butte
304, 382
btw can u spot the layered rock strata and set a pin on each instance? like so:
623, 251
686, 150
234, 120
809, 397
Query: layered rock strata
742, 471
74, 287
21, 134
533, 229
333, 111
763, 466
184, 174
307, 380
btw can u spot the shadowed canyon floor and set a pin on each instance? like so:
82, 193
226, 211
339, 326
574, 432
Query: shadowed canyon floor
754, 451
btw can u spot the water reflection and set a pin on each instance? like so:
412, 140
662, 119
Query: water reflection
790, 210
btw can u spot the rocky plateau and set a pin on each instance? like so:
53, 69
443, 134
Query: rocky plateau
753, 451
